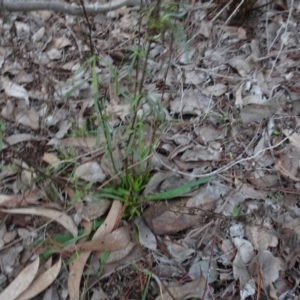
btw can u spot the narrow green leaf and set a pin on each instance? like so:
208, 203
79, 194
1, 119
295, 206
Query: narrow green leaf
179, 191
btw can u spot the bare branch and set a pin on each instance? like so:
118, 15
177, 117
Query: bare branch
60, 7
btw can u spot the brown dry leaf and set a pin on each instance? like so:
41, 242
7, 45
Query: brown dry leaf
14, 90
88, 143
19, 200
244, 255
269, 268
21, 282
117, 256
242, 66
208, 134
18, 138
77, 266
216, 90
90, 171
41, 282
201, 153
51, 159
121, 111
294, 137
194, 103
114, 241
75, 273
284, 172
255, 113
91, 210
290, 160
135, 254
261, 238
167, 218
195, 288
146, 237
52, 214
27, 117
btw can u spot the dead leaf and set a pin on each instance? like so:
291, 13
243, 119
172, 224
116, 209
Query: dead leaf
255, 113
242, 66
216, 90
52, 214
267, 267
42, 282
14, 90
92, 209
27, 117
117, 256
146, 237
135, 254
90, 171
51, 159
245, 254
18, 138
261, 238
21, 282
114, 241
77, 266
88, 143
284, 172
294, 137
195, 288
20, 200
201, 153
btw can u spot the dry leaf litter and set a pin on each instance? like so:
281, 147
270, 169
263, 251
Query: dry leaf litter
232, 102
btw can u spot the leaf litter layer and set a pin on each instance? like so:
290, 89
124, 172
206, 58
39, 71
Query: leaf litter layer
154, 153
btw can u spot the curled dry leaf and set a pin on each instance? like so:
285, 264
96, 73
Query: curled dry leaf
52, 214
41, 282
21, 282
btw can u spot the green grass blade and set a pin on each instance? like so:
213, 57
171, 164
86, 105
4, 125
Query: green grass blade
179, 191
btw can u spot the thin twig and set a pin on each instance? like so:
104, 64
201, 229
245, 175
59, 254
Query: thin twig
226, 167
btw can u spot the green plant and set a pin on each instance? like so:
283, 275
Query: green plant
133, 198
140, 135
2, 129
236, 211
275, 197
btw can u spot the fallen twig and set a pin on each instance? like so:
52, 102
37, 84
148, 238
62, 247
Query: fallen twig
69, 9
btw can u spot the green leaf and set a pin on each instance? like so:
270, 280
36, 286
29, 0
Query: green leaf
179, 191
103, 259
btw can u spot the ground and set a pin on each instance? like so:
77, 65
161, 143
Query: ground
150, 151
